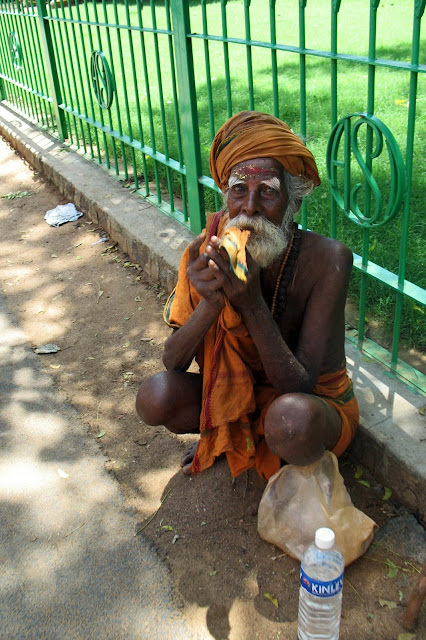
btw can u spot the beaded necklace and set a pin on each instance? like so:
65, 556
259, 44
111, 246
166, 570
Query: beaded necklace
284, 276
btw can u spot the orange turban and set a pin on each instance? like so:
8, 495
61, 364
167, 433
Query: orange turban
249, 135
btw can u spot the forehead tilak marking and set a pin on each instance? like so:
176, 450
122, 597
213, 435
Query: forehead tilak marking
250, 170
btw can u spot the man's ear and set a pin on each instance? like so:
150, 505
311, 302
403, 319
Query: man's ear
297, 205
225, 200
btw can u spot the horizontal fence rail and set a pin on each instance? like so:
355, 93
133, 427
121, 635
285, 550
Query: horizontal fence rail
141, 88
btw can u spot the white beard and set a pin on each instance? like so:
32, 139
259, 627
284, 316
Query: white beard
266, 241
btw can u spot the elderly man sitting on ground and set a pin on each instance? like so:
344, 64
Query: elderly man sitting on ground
260, 305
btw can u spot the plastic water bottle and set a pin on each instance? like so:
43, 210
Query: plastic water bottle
320, 595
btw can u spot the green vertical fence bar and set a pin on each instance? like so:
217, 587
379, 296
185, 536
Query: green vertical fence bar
69, 27
3, 94
28, 67
347, 165
137, 99
24, 70
24, 98
11, 29
209, 84
42, 104
40, 69
2, 83
52, 71
101, 111
419, 9
223, 4
148, 98
101, 117
88, 85
117, 107
55, 29
161, 101
302, 84
154, 144
335, 8
374, 4
15, 90
77, 50
189, 116
66, 84
176, 110
135, 88
5, 61
274, 66
249, 53
126, 98
116, 102
207, 66
5, 58
79, 122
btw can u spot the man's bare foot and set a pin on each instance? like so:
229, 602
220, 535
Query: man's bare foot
188, 458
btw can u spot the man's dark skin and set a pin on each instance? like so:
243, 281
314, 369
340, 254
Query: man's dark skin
307, 341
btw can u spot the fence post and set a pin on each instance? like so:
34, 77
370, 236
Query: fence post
2, 89
188, 112
51, 68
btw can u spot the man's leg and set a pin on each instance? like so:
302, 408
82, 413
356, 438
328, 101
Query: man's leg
173, 399
299, 427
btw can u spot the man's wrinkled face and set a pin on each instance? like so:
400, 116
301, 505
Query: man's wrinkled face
257, 188
257, 200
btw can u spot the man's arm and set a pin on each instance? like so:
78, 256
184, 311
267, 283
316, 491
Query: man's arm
283, 370
182, 346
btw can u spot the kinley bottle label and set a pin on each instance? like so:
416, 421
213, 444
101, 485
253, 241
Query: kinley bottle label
319, 588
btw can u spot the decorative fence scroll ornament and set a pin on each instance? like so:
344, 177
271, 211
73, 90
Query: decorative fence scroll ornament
347, 132
15, 50
102, 80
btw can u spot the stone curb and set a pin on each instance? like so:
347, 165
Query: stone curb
391, 435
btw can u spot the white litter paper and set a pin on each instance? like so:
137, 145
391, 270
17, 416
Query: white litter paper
61, 214
47, 348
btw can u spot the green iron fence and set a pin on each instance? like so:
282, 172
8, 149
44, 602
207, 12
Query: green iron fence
141, 87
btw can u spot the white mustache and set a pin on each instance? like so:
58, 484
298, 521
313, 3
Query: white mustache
252, 223
266, 242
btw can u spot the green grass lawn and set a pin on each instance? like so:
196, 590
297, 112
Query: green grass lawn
155, 101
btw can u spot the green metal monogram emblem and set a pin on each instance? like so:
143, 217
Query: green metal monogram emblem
15, 50
102, 80
355, 142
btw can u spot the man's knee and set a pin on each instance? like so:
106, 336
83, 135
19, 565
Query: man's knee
299, 427
151, 399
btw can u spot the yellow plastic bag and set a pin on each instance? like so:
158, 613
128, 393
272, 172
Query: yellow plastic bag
299, 500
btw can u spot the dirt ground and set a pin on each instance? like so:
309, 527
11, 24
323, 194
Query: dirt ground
69, 287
